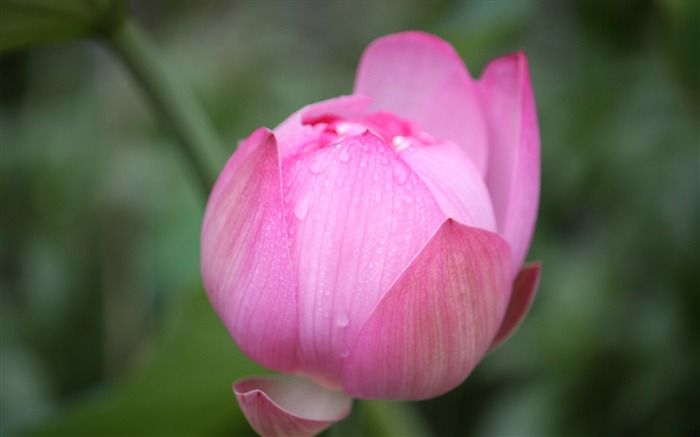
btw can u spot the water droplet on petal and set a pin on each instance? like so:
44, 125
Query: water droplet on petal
343, 320
345, 155
316, 165
301, 209
400, 173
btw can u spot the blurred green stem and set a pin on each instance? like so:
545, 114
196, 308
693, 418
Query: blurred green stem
172, 99
395, 419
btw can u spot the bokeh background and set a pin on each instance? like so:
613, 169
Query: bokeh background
106, 329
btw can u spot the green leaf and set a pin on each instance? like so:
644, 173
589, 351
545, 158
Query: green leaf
186, 389
24, 23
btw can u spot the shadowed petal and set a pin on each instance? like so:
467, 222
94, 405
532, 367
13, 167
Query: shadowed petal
289, 406
513, 175
437, 321
245, 259
420, 77
524, 289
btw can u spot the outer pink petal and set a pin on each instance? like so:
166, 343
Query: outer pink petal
287, 406
246, 267
294, 131
513, 176
420, 77
357, 215
524, 289
437, 321
455, 182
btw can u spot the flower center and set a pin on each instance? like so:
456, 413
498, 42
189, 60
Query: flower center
398, 132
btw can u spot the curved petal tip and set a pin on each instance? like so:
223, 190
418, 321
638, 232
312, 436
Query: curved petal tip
289, 406
422, 78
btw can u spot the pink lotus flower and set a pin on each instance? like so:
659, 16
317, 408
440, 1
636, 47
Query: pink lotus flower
373, 245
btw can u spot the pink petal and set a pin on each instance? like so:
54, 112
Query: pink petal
420, 77
513, 175
357, 216
524, 289
454, 181
296, 128
437, 321
287, 406
246, 267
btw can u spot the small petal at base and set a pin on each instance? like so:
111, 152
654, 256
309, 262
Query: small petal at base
289, 406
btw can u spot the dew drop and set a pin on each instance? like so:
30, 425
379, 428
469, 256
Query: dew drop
345, 155
315, 166
388, 187
344, 353
343, 320
400, 173
398, 141
301, 209
327, 183
363, 163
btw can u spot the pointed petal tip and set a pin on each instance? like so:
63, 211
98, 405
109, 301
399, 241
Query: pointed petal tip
289, 406
516, 61
524, 290
461, 277
513, 175
247, 198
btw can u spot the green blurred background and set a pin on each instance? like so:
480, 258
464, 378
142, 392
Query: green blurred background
105, 327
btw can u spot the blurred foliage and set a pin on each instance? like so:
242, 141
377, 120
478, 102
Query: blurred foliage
105, 329
28, 22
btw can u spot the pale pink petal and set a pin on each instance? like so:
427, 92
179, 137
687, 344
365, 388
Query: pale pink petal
288, 406
513, 175
246, 267
297, 128
420, 77
357, 214
454, 181
437, 321
524, 289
